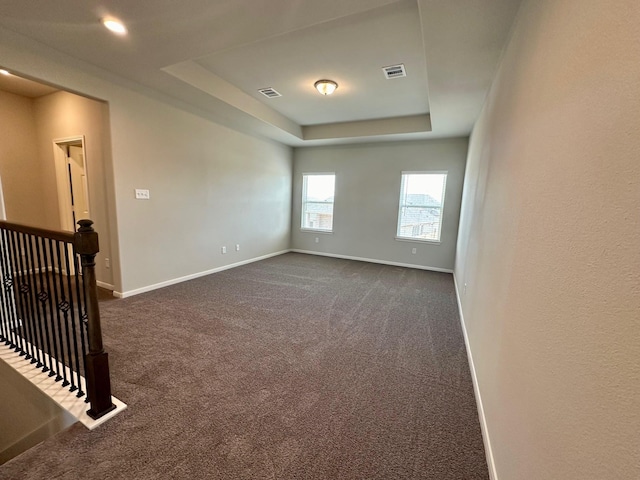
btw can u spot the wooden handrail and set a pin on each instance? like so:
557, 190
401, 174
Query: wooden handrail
61, 236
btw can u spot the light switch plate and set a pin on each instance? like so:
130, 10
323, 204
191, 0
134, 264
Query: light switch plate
142, 194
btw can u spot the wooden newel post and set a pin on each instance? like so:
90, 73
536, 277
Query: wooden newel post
97, 361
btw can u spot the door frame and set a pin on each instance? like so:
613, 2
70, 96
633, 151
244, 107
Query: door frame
62, 179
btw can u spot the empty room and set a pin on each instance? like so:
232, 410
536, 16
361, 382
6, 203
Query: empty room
361, 239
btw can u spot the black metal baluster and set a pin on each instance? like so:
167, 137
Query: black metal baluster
73, 320
63, 307
81, 316
25, 290
14, 292
8, 284
5, 326
27, 318
53, 305
43, 296
17, 287
33, 291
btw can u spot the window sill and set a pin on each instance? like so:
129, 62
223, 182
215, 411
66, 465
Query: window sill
418, 240
311, 230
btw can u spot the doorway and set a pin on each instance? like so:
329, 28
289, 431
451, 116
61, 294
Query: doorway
71, 176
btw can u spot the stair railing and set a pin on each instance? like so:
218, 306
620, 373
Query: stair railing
49, 310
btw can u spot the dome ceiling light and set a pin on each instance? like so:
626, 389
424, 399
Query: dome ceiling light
326, 87
115, 25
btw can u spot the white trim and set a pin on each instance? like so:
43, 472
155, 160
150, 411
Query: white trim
425, 172
418, 240
493, 474
173, 281
373, 260
55, 391
71, 139
62, 179
311, 230
32, 271
105, 285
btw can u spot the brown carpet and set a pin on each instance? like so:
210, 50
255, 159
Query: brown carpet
296, 367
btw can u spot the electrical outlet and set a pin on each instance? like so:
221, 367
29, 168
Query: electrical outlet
414, 250
142, 194
237, 247
465, 288
107, 263
317, 240
224, 249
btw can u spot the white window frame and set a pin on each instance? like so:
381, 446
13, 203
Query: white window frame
402, 204
304, 202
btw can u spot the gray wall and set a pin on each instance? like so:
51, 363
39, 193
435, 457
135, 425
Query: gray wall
367, 199
62, 115
549, 245
210, 186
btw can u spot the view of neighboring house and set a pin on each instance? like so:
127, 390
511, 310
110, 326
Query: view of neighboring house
319, 214
421, 217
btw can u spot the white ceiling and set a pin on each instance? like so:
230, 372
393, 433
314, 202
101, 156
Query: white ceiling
339, 50
215, 54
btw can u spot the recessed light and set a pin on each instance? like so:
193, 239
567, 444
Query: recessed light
4, 72
115, 25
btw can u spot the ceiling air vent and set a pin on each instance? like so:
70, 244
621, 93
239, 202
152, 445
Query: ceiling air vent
269, 92
394, 71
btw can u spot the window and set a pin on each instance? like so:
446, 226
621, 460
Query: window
421, 202
317, 201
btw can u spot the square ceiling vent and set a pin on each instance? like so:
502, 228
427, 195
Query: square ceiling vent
269, 92
394, 71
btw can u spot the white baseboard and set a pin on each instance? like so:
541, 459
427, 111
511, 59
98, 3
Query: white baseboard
105, 285
373, 260
493, 475
32, 271
173, 281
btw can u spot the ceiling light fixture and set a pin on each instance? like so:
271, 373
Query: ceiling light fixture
115, 25
4, 72
326, 87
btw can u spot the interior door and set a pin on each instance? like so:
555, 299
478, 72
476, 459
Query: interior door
77, 183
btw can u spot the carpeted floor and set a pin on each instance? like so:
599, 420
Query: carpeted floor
295, 367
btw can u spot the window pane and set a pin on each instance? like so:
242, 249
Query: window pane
320, 187
421, 202
424, 189
420, 223
317, 202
